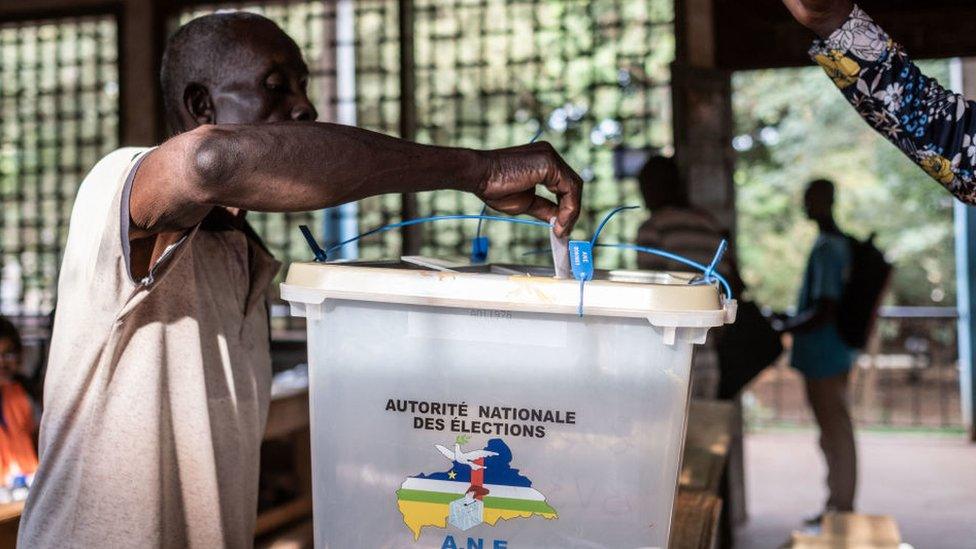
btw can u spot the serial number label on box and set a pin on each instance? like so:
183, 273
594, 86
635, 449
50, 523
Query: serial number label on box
487, 325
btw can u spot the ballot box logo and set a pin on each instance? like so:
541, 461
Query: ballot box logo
479, 487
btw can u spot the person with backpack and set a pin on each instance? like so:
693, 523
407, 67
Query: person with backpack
820, 352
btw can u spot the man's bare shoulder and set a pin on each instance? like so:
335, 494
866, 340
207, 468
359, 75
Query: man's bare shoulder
117, 160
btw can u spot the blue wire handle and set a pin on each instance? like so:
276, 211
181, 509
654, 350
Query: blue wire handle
683, 260
420, 220
319, 254
606, 219
722, 246
709, 274
484, 211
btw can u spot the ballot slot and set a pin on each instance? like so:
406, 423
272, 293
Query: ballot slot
511, 269
569, 257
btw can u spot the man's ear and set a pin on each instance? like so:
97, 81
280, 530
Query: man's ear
199, 105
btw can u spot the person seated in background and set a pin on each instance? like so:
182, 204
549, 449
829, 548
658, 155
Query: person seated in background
675, 225
819, 351
18, 425
931, 125
680, 228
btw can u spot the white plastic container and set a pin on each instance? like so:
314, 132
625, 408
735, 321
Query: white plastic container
572, 428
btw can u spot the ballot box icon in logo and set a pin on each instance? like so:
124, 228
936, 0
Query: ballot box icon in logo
466, 512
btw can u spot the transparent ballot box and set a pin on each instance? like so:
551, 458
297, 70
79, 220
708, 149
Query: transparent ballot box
475, 407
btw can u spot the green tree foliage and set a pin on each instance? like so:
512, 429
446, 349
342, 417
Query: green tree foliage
793, 126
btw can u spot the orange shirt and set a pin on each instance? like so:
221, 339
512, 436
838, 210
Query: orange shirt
17, 454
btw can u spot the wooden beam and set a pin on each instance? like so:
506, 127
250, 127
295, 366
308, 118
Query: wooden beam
283, 515
10, 523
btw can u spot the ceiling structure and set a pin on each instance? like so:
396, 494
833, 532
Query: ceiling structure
754, 34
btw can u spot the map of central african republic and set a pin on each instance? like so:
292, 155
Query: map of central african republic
480, 487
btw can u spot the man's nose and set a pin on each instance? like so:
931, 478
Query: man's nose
304, 111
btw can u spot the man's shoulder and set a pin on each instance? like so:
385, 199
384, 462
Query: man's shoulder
99, 207
105, 178
125, 152
116, 161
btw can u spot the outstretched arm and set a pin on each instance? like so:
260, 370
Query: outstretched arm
298, 166
932, 126
822, 312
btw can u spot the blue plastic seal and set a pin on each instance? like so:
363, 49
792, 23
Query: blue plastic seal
479, 249
581, 259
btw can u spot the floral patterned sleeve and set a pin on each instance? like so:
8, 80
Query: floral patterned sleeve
932, 126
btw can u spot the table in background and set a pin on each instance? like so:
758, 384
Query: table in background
698, 506
9, 522
288, 418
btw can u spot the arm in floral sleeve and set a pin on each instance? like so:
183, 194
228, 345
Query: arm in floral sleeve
932, 126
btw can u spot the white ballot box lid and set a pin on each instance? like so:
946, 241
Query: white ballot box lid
664, 299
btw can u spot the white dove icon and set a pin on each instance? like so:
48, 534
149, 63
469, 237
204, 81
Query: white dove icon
465, 458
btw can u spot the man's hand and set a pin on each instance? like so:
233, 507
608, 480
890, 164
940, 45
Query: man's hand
821, 16
511, 178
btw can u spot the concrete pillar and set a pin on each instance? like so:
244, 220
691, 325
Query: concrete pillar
702, 113
142, 38
701, 96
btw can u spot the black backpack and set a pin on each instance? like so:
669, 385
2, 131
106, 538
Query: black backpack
865, 287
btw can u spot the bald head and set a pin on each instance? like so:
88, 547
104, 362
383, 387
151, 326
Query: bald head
232, 67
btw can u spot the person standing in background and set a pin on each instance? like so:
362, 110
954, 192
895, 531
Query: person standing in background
819, 351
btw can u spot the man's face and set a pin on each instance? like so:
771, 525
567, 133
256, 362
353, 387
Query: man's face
265, 82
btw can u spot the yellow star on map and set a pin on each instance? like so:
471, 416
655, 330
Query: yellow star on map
452, 475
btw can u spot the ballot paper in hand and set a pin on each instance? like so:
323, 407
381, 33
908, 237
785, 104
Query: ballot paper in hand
466, 513
560, 252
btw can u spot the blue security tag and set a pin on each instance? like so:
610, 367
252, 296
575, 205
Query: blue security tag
479, 249
581, 259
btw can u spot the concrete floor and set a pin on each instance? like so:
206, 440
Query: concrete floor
926, 482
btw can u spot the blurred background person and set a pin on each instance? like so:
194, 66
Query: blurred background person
680, 228
675, 225
18, 425
820, 352
733, 355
